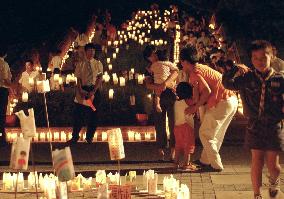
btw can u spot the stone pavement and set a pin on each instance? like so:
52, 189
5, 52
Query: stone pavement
232, 183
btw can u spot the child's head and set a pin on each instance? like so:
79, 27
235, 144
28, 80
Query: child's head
162, 55
184, 90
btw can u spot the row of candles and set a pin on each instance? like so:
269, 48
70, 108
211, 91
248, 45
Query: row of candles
172, 189
63, 136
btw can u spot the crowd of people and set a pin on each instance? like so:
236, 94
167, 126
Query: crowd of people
203, 86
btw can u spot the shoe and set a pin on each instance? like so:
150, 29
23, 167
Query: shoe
190, 167
89, 141
200, 164
274, 188
258, 197
71, 142
209, 168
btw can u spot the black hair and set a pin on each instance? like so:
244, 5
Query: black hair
189, 54
56, 71
3, 50
184, 90
148, 51
259, 44
89, 46
29, 60
162, 55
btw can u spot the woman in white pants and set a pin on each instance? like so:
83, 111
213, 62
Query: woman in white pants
220, 107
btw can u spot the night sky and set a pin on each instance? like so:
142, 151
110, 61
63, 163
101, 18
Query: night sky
36, 21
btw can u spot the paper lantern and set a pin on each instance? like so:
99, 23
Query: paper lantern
28, 126
115, 142
20, 154
63, 164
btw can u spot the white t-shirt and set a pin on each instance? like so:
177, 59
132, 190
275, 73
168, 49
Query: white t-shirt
87, 71
180, 116
24, 80
162, 70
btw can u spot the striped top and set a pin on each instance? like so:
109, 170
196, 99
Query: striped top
214, 80
162, 70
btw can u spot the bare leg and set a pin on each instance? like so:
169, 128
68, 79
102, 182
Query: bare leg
158, 105
256, 170
274, 169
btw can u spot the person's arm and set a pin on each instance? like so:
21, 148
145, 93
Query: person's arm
7, 77
231, 81
204, 93
173, 76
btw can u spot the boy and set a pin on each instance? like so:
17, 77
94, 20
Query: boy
261, 90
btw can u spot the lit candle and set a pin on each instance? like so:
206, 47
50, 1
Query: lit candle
121, 81
130, 135
109, 43
60, 81
25, 97
104, 134
108, 60
117, 50
114, 55
140, 79
110, 66
147, 136
110, 93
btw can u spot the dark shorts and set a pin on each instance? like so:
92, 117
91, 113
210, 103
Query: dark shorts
265, 136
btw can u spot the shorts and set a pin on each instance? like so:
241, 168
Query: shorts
265, 136
185, 140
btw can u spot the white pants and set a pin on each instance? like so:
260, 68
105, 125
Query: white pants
213, 128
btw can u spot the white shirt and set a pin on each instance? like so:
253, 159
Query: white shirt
82, 40
5, 73
87, 72
180, 116
162, 70
24, 80
55, 62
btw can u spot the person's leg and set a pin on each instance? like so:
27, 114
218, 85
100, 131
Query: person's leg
78, 118
157, 104
274, 169
231, 108
92, 120
211, 134
160, 127
257, 162
4, 93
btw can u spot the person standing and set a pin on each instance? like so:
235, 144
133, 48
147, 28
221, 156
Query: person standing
220, 107
28, 74
262, 91
5, 83
89, 79
166, 73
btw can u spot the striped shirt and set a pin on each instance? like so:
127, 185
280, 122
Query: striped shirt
162, 70
214, 80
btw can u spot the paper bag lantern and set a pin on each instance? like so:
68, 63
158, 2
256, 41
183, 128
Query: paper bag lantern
153, 184
63, 164
101, 177
43, 86
115, 143
120, 191
103, 192
20, 154
28, 126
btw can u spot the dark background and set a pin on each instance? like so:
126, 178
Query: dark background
33, 23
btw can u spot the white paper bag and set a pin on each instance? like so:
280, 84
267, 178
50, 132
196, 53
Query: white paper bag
103, 192
63, 164
27, 123
20, 154
43, 86
115, 143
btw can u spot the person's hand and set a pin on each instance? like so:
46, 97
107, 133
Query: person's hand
190, 110
242, 69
